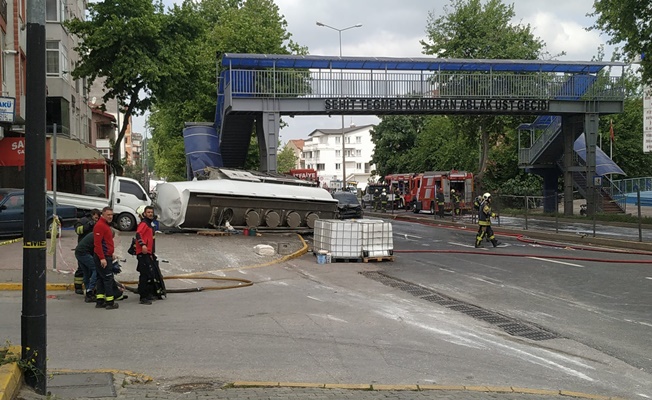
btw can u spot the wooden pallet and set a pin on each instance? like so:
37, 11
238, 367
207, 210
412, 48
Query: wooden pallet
345, 259
214, 233
378, 259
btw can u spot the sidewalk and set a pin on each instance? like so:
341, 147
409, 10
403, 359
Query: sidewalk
280, 286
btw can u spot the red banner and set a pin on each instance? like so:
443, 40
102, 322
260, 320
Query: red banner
12, 152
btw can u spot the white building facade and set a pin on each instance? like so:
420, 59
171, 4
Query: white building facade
322, 152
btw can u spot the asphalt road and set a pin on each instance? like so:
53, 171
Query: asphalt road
306, 322
601, 299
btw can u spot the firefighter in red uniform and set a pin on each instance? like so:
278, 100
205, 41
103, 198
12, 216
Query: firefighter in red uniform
103, 247
484, 220
145, 255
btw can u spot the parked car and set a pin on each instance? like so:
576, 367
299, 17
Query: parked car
12, 212
348, 205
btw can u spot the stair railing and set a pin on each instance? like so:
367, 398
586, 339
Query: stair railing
543, 141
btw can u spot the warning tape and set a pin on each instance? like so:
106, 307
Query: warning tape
11, 241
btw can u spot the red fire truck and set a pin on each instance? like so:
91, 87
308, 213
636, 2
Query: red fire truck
424, 188
402, 182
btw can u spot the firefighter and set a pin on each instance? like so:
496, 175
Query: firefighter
383, 200
376, 200
440, 203
456, 202
398, 200
484, 221
83, 227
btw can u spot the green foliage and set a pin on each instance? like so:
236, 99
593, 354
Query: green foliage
470, 29
628, 22
136, 49
227, 26
466, 29
287, 160
7, 356
628, 142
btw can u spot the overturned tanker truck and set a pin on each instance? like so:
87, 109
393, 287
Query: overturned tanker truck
243, 199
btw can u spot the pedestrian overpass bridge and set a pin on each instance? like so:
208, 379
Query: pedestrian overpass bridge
564, 98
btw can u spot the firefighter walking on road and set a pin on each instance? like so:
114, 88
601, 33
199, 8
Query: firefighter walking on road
440, 202
455, 197
376, 200
484, 221
383, 201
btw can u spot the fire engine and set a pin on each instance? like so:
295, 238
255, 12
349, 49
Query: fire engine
402, 182
419, 190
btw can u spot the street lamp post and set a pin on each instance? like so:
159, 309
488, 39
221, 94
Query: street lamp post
339, 31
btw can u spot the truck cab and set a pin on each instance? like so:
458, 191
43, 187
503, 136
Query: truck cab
126, 196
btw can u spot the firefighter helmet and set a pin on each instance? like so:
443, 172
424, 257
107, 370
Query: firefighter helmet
486, 196
140, 211
452, 190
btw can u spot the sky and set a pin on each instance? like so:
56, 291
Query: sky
394, 29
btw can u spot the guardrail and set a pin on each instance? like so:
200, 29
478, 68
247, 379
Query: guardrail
429, 84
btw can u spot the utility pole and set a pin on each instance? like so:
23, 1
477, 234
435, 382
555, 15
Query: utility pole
33, 319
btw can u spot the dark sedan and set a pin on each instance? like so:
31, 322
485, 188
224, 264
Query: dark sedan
348, 205
12, 212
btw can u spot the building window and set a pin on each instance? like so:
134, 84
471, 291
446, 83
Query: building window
338, 153
358, 139
338, 166
358, 153
56, 58
58, 112
321, 167
55, 10
358, 166
367, 168
337, 140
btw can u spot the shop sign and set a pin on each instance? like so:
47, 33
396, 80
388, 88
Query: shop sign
12, 152
7, 109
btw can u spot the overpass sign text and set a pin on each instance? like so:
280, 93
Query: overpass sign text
432, 104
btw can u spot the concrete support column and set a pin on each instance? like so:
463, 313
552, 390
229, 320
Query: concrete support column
568, 137
550, 189
591, 135
267, 132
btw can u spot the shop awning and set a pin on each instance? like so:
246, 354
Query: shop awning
74, 152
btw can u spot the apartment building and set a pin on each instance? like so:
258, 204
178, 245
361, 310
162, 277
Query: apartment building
296, 145
322, 152
68, 114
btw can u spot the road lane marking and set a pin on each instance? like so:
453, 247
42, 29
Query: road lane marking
314, 298
465, 245
407, 237
648, 277
557, 262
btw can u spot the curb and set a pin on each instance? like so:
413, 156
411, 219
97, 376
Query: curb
421, 388
549, 235
11, 377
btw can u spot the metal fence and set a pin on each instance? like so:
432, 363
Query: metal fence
429, 84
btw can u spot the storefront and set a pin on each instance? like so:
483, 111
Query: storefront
77, 163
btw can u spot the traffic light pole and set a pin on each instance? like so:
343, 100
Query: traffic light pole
33, 319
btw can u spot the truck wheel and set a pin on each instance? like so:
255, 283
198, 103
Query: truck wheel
126, 222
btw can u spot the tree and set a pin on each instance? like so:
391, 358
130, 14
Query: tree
136, 49
233, 26
286, 160
628, 22
470, 29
